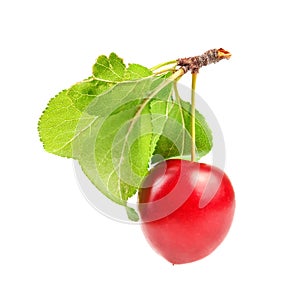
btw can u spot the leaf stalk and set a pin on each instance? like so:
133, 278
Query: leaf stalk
167, 63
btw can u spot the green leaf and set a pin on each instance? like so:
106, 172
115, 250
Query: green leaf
132, 214
106, 103
116, 155
58, 125
107, 72
112, 139
174, 121
135, 71
120, 150
86, 91
128, 91
111, 69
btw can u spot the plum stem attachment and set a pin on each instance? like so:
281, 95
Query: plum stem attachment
193, 111
194, 63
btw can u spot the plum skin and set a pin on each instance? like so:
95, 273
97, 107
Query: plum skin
186, 209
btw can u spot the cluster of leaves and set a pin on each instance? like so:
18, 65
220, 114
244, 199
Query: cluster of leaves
115, 121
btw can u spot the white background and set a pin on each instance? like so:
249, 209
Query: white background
54, 245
